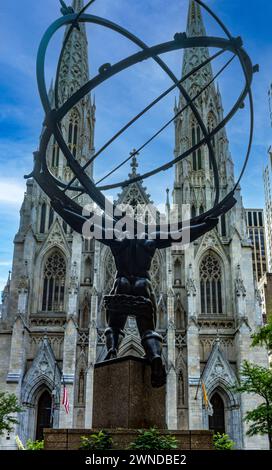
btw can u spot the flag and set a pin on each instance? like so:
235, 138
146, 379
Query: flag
65, 399
207, 402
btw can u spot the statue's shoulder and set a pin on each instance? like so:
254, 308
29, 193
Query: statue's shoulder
149, 245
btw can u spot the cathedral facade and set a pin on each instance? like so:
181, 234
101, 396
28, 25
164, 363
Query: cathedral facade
53, 319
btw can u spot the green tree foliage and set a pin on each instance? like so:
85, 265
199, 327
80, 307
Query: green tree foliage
8, 407
151, 439
97, 441
263, 337
34, 445
257, 380
222, 442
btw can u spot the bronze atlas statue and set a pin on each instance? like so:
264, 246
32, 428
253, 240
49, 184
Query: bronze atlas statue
133, 249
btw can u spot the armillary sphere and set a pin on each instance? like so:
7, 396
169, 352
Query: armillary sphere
64, 196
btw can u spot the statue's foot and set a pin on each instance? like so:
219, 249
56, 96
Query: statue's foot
112, 354
158, 374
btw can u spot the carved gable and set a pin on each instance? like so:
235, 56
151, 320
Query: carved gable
218, 370
43, 372
211, 240
56, 238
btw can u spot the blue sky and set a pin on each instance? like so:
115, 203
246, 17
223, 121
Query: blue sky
22, 25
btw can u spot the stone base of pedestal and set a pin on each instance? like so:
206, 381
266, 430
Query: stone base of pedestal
123, 396
69, 439
124, 402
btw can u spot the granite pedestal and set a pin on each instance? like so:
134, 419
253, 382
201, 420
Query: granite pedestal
123, 396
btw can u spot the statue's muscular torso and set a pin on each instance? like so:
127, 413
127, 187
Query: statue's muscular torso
133, 257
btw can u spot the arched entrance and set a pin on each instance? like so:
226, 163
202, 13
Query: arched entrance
217, 420
43, 414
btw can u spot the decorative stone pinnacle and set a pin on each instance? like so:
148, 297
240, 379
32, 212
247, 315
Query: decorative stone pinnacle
134, 164
239, 283
190, 284
167, 199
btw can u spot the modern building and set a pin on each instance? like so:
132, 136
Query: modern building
256, 233
208, 305
267, 177
265, 289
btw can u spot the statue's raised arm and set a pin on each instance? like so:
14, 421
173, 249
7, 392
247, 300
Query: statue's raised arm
187, 234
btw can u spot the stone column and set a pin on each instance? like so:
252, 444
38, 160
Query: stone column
17, 355
23, 296
246, 324
66, 420
73, 292
171, 391
16, 366
194, 403
91, 360
69, 367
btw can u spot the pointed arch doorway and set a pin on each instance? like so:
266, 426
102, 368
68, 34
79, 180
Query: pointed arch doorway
217, 420
43, 414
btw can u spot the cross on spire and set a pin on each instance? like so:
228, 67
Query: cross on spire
134, 164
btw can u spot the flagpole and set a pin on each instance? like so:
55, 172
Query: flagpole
200, 379
53, 394
199, 382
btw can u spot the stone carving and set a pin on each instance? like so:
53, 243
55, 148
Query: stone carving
209, 241
242, 322
55, 342
55, 236
43, 372
180, 340
218, 371
190, 284
171, 325
47, 321
239, 283
216, 324
101, 340
74, 284
83, 339
192, 321
226, 344
23, 284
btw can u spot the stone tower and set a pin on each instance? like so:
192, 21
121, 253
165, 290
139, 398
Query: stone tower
47, 300
53, 320
215, 285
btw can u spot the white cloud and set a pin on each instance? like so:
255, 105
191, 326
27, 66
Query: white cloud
11, 191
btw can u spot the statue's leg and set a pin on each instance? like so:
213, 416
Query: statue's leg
151, 341
116, 321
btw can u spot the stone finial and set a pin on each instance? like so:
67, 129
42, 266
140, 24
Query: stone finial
134, 164
73, 286
239, 283
190, 284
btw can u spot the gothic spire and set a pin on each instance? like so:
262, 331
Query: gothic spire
195, 24
192, 57
74, 70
